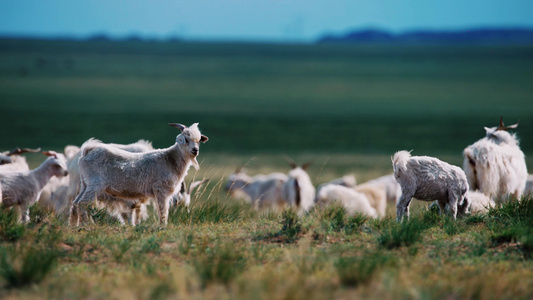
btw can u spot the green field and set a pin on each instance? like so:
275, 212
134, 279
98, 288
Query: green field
346, 108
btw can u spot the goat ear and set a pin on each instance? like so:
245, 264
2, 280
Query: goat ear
204, 139
197, 184
180, 139
291, 162
306, 165
179, 126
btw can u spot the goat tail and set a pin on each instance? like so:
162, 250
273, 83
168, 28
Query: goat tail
399, 161
89, 145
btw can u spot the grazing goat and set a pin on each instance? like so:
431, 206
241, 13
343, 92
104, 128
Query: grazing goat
14, 161
298, 191
428, 178
495, 165
22, 188
132, 176
354, 202
262, 191
75, 184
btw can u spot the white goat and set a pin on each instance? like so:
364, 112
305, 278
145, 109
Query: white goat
376, 195
14, 161
354, 202
495, 165
298, 191
22, 188
262, 191
393, 190
120, 211
154, 174
479, 202
428, 178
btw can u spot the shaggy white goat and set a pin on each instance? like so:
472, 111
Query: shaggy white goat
376, 195
22, 188
354, 202
298, 191
262, 191
479, 202
14, 161
117, 210
428, 178
495, 165
154, 174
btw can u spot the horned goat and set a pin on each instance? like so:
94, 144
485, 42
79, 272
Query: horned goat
183, 197
15, 161
428, 178
354, 202
262, 191
154, 174
298, 191
22, 188
495, 165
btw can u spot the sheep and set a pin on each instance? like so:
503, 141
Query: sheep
376, 195
298, 191
153, 174
75, 182
354, 202
14, 161
262, 191
427, 179
183, 197
495, 165
22, 188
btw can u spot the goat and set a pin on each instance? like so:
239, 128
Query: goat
354, 202
14, 161
298, 191
427, 179
495, 165
262, 191
153, 174
22, 188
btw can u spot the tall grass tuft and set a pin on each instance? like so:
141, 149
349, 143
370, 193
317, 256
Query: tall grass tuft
333, 218
10, 229
405, 233
207, 212
222, 263
290, 225
19, 268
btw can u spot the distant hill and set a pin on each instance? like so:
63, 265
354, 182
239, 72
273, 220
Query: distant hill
504, 36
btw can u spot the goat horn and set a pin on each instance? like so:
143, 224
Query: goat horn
291, 162
17, 150
50, 153
503, 127
179, 126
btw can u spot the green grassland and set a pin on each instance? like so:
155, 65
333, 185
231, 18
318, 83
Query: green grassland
346, 108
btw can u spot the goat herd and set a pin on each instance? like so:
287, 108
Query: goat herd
124, 178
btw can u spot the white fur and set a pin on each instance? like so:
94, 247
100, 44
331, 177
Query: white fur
354, 202
298, 191
138, 176
428, 178
392, 188
495, 165
376, 195
22, 188
262, 191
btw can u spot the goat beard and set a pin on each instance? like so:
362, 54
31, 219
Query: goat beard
195, 164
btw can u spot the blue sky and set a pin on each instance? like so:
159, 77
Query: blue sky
269, 20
